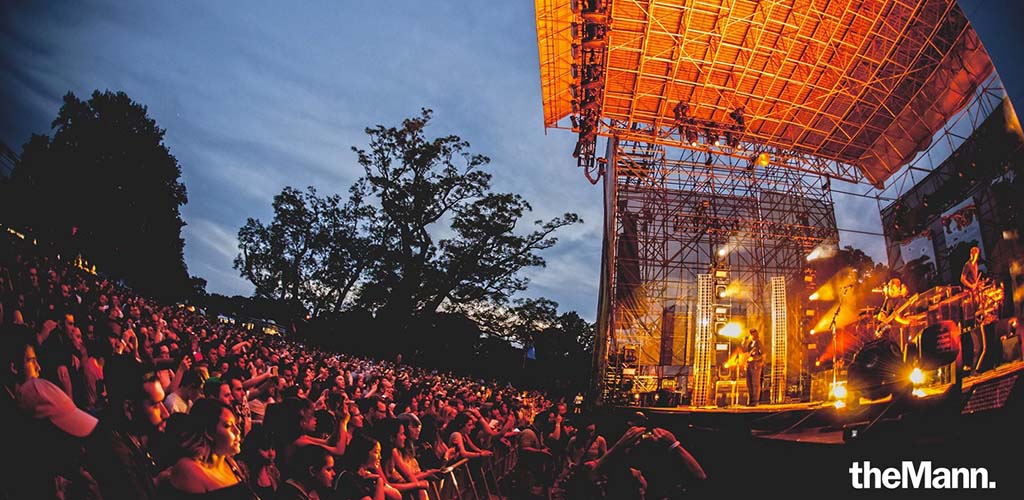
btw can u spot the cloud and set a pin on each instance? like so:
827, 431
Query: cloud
259, 95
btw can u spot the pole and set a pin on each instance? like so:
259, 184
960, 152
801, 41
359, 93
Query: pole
835, 339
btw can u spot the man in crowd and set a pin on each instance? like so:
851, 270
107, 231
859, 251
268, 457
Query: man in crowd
118, 452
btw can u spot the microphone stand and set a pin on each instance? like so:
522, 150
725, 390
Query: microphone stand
835, 339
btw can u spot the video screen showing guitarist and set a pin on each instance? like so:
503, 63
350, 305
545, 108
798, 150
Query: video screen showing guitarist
970, 278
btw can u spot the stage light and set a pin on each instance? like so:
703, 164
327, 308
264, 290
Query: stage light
763, 159
720, 291
732, 136
839, 404
814, 296
711, 137
916, 376
692, 137
839, 390
732, 330
722, 252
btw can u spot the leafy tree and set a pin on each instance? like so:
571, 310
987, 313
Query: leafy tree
313, 251
423, 185
520, 323
105, 186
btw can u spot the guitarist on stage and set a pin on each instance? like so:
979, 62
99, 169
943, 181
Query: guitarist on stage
890, 314
970, 278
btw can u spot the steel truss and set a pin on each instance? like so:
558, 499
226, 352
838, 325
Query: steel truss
682, 213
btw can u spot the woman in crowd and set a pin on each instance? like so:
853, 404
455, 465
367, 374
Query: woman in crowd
432, 452
458, 431
392, 438
257, 463
361, 478
405, 456
208, 468
298, 428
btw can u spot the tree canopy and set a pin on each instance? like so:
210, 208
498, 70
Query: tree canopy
105, 185
312, 251
380, 249
423, 185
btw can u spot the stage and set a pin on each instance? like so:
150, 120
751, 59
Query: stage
982, 397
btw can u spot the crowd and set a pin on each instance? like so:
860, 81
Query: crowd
112, 395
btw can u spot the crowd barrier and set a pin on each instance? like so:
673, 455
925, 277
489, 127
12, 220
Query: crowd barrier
478, 478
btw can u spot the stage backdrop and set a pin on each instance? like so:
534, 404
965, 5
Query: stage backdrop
962, 231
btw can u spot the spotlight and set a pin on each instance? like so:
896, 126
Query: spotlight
916, 376
711, 137
763, 159
839, 390
731, 330
721, 290
691, 137
731, 140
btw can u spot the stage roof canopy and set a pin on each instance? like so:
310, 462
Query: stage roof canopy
863, 83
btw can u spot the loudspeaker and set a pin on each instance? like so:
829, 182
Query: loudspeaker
940, 344
1011, 349
877, 369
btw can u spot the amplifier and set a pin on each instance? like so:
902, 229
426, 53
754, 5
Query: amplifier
730, 392
947, 310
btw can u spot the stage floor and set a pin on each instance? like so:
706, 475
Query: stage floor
818, 422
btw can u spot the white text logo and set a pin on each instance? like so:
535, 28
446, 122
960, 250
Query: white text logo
919, 476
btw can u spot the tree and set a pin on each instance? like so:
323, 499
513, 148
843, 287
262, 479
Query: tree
105, 186
523, 322
313, 251
423, 185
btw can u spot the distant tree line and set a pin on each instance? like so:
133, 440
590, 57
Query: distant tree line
420, 257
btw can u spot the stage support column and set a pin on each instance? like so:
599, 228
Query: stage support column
779, 359
705, 346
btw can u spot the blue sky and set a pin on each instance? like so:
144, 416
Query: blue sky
259, 95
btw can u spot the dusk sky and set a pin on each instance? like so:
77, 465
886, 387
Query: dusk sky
259, 95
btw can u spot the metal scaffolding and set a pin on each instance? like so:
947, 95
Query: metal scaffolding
680, 214
726, 122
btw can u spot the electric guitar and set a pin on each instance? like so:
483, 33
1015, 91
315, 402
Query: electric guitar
884, 320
